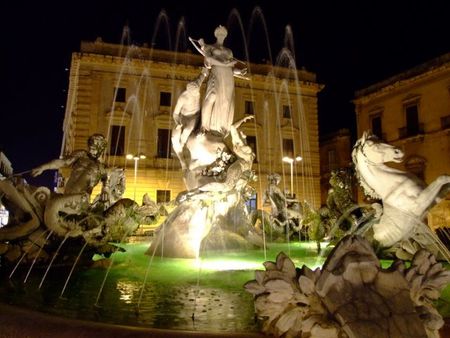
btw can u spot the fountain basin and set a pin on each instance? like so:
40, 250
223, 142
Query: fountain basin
158, 293
18, 322
211, 289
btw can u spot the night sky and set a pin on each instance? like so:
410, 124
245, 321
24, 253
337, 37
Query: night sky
350, 45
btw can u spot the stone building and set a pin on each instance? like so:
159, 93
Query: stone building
128, 94
412, 111
335, 153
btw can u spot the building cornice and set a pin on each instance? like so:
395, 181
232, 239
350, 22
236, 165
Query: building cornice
432, 68
135, 56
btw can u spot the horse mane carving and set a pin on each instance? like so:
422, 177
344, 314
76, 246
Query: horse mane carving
367, 135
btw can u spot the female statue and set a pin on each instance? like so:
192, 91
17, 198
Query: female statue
218, 105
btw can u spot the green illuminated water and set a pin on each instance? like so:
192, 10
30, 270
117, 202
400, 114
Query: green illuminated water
211, 289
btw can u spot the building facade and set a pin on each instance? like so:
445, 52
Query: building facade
128, 94
412, 111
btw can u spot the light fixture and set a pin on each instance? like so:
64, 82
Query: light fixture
136, 158
291, 161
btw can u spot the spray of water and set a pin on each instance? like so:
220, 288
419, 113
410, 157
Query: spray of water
27, 252
53, 259
72, 269
36, 257
108, 270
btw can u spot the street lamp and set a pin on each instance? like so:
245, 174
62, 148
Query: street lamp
136, 158
291, 161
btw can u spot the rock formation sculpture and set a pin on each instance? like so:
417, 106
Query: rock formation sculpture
351, 296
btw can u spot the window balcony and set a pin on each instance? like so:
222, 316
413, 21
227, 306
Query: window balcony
411, 131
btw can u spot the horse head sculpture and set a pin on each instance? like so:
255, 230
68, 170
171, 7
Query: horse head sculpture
406, 198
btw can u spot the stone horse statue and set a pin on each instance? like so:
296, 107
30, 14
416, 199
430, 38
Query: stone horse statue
406, 199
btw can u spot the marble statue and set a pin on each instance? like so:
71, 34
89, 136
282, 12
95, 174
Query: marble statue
351, 296
86, 172
86, 168
405, 198
341, 213
213, 208
286, 213
216, 163
113, 189
18, 196
238, 173
186, 114
218, 106
40, 217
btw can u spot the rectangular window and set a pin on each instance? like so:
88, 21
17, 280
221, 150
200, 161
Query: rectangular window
251, 142
445, 122
376, 126
249, 107
412, 120
117, 143
286, 111
164, 143
120, 94
162, 196
332, 160
288, 147
165, 99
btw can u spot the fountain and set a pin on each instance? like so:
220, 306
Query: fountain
352, 295
187, 279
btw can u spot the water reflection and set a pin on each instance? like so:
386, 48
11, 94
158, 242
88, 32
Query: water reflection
178, 294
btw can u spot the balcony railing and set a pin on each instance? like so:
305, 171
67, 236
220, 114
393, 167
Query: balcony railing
405, 132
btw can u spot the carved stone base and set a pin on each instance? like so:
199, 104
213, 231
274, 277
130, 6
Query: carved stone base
352, 296
203, 225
